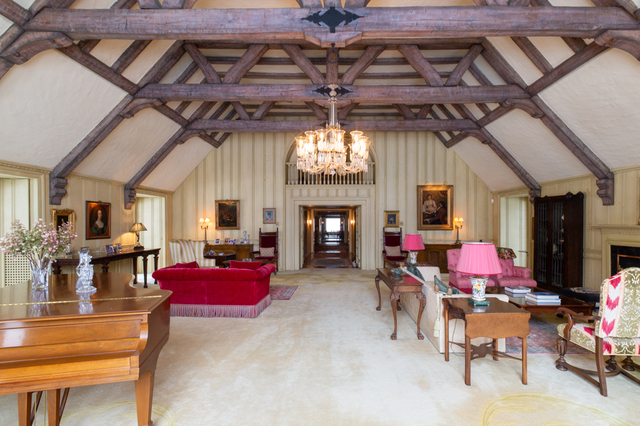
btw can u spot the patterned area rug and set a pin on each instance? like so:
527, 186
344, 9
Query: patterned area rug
541, 340
282, 292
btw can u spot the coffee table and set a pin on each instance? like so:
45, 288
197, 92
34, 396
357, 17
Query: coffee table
575, 305
496, 321
399, 284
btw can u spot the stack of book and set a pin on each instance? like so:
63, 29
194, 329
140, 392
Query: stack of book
517, 291
542, 298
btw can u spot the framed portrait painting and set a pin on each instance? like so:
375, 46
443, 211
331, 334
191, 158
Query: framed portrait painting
268, 215
98, 220
60, 216
391, 219
435, 207
228, 214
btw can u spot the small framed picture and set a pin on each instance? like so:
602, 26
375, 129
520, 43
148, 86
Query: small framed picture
269, 215
226, 241
117, 248
98, 220
110, 249
217, 241
60, 216
391, 219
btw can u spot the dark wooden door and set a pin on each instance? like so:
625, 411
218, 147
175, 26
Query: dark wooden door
559, 240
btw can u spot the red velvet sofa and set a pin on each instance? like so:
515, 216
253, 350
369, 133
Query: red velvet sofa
216, 292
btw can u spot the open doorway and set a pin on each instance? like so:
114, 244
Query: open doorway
514, 216
330, 236
151, 212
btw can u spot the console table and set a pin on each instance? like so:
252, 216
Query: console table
399, 284
101, 258
496, 321
242, 251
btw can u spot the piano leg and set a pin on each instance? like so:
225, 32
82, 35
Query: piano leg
53, 407
144, 398
24, 409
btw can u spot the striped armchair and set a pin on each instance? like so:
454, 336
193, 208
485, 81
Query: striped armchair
185, 251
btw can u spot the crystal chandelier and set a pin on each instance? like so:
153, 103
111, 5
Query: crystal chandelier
324, 151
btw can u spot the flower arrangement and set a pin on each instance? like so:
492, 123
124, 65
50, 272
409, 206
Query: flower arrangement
38, 244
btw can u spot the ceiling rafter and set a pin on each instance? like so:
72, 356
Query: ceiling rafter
413, 55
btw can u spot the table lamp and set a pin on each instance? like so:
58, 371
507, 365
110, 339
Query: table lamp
137, 227
204, 224
413, 243
481, 260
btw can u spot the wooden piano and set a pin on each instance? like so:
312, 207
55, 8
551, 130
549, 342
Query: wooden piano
54, 339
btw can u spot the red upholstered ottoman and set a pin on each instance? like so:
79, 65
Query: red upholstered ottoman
216, 292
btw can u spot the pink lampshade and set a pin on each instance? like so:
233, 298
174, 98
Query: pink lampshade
479, 259
413, 242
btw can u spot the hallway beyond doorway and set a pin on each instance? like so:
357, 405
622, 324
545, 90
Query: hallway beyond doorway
330, 238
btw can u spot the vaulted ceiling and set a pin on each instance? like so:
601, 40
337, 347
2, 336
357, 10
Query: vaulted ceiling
524, 91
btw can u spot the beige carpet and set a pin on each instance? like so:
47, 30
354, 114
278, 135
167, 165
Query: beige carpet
325, 358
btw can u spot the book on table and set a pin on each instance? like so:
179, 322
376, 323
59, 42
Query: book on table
517, 291
546, 298
544, 295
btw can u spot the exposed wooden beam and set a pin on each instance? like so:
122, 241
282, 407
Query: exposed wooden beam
576, 44
173, 115
479, 75
534, 55
274, 24
315, 60
580, 150
310, 3
167, 61
456, 76
317, 110
198, 57
29, 44
5, 66
295, 53
14, 12
244, 115
307, 93
262, 110
355, 3
456, 139
149, 4
405, 111
346, 110
363, 62
364, 125
173, 4
575, 61
498, 63
57, 178
494, 115
245, 63
419, 63
424, 111
128, 56
331, 62
629, 41
100, 68
333, 3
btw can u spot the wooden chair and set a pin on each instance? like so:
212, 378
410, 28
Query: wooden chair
615, 332
268, 248
392, 252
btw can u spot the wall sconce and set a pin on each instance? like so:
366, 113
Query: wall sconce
204, 224
457, 223
309, 222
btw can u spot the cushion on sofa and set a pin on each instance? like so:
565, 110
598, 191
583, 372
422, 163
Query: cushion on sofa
244, 265
187, 265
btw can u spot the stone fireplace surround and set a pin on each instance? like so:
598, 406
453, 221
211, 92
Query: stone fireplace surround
617, 235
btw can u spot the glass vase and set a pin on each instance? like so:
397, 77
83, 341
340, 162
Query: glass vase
40, 273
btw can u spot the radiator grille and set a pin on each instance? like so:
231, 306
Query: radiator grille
16, 270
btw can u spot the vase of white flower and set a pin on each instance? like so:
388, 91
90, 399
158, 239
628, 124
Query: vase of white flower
39, 245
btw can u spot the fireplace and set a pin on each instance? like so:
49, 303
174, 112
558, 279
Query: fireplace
623, 257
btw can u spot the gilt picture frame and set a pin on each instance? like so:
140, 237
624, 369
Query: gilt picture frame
392, 219
269, 215
227, 214
97, 220
60, 216
435, 207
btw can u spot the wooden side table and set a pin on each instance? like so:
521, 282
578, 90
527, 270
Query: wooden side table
399, 284
221, 258
496, 321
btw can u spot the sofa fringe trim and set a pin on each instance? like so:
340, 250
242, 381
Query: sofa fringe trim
227, 311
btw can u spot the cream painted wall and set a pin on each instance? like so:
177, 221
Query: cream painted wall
604, 224
251, 168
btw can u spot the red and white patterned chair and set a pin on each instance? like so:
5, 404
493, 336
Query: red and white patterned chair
616, 332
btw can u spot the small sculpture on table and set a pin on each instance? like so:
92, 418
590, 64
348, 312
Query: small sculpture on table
84, 286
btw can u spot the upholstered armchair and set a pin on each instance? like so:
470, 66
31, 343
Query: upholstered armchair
392, 253
460, 280
268, 248
514, 276
616, 332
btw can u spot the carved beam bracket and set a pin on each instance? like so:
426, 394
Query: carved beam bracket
56, 189
332, 18
29, 44
129, 197
629, 41
526, 105
605, 191
138, 105
533, 194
